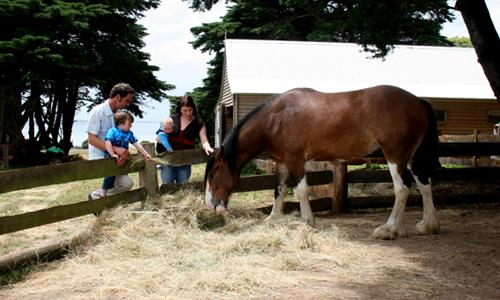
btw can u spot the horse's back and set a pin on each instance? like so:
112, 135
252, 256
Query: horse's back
348, 124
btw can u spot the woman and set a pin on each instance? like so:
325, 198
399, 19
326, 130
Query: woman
187, 127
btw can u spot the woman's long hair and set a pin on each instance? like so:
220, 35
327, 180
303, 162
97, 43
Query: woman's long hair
186, 101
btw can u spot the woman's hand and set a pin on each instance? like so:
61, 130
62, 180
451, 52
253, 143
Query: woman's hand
207, 148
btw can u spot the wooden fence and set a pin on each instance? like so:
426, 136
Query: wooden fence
5, 157
337, 202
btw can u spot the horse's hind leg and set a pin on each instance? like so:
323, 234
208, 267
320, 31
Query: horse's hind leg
280, 191
305, 207
394, 225
429, 223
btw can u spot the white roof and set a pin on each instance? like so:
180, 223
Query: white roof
272, 67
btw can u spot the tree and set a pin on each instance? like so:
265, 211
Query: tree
55, 53
376, 25
484, 38
461, 41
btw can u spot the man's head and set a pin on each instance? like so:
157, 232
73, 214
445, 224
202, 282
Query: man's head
121, 96
124, 120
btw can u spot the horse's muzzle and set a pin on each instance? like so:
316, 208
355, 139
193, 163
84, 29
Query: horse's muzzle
216, 204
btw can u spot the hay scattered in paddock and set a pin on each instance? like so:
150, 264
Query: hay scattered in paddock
175, 249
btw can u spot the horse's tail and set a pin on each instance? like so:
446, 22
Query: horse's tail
426, 159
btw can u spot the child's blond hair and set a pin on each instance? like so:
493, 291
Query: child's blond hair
167, 121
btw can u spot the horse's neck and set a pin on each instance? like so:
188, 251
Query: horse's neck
250, 143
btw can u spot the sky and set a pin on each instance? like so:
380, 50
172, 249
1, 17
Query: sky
169, 35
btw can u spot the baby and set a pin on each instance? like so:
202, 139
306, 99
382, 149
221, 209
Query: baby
162, 145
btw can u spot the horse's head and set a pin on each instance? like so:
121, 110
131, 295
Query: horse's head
220, 181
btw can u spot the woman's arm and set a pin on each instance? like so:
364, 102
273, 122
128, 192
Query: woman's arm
204, 141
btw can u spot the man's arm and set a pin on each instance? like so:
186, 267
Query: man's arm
95, 141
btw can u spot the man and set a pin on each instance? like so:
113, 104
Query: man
100, 121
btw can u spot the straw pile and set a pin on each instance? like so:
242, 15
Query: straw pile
175, 250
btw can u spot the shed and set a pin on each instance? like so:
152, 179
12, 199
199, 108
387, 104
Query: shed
449, 77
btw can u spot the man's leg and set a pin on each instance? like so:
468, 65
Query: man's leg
123, 183
108, 182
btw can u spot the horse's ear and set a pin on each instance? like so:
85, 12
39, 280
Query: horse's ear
221, 151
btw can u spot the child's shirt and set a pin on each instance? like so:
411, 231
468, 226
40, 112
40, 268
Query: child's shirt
164, 145
120, 138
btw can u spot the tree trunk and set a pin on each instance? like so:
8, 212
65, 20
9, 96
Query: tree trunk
59, 107
11, 125
69, 115
484, 38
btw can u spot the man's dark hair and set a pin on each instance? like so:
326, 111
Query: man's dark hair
122, 89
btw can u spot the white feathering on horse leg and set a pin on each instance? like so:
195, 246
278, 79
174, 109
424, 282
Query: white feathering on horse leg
277, 210
305, 207
394, 225
429, 223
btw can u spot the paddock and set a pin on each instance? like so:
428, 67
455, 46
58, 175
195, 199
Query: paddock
173, 249
169, 253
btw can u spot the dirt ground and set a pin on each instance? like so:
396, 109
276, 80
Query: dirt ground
462, 262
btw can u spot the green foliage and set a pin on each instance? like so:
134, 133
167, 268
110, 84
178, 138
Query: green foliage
54, 52
461, 41
251, 169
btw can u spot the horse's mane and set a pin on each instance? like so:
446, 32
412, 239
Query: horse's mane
230, 144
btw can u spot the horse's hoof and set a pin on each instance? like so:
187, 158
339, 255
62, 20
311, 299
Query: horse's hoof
272, 218
427, 228
311, 222
388, 232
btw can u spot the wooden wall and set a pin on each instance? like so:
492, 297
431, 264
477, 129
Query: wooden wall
248, 101
462, 116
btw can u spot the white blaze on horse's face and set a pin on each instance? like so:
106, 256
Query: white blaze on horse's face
219, 207
208, 196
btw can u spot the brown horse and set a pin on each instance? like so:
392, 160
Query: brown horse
304, 124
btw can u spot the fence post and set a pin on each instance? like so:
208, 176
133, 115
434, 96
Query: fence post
4, 161
476, 139
148, 178
339, 188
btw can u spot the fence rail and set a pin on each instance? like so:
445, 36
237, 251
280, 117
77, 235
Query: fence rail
68, 172
337, 178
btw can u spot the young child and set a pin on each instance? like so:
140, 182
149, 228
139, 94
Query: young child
162, 145
120, 136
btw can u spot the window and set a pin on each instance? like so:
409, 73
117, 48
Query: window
441, 116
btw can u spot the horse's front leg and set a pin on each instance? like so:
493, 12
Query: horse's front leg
280, 191
393, 228
305, 207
